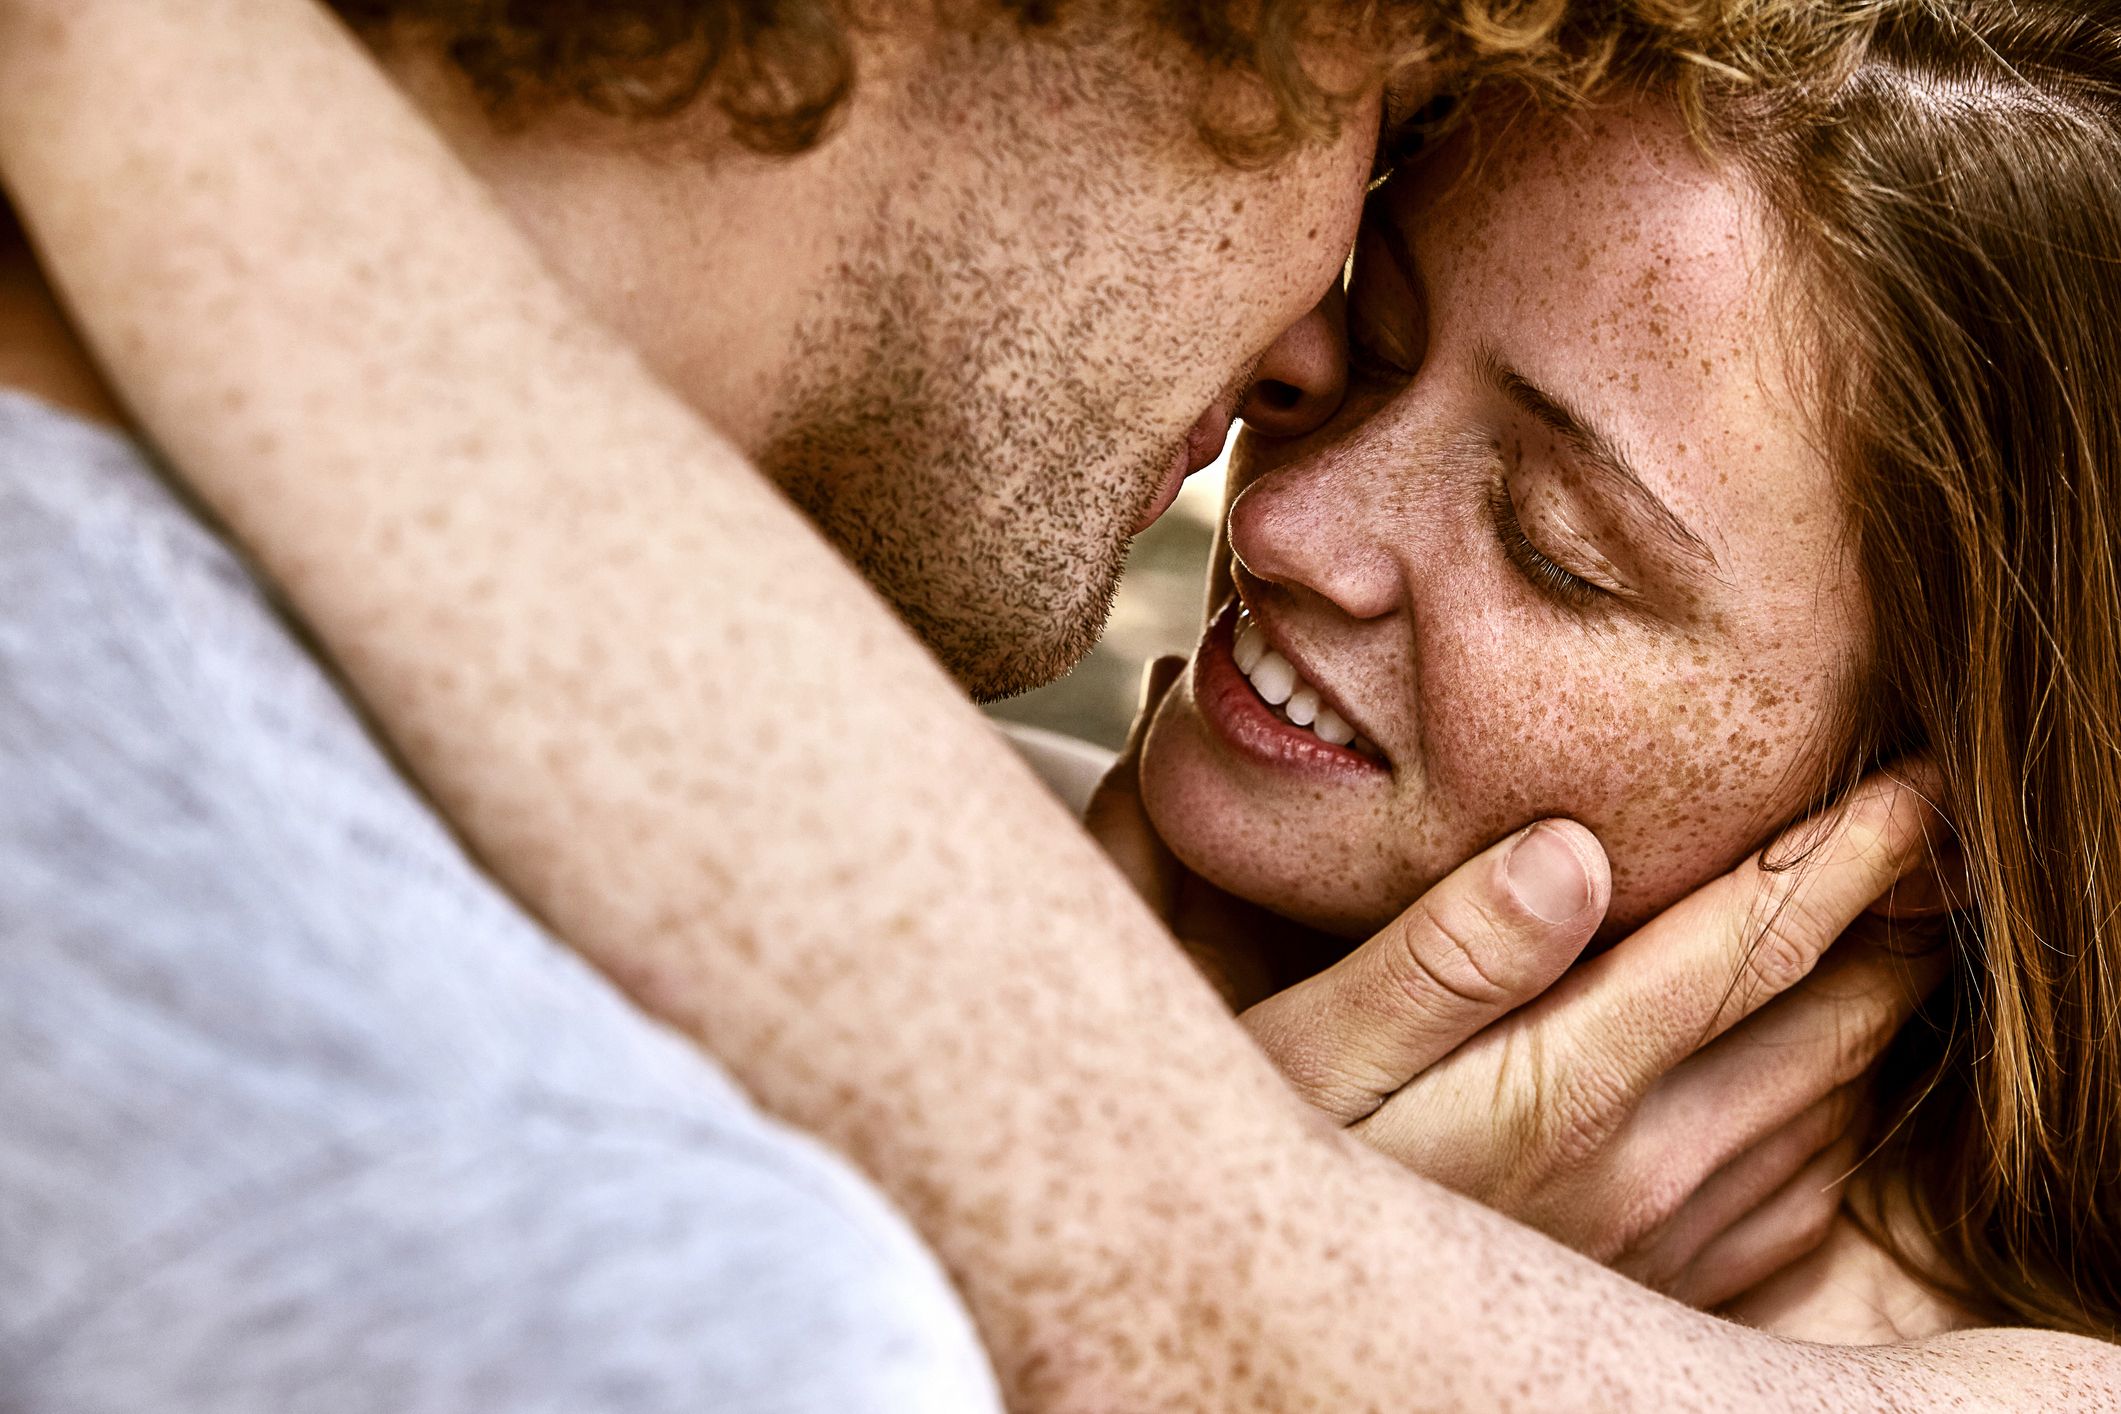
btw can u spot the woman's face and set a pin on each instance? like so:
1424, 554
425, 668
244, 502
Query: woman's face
1571, 549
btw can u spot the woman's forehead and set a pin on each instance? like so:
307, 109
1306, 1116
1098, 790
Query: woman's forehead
1608, 260
1607, 233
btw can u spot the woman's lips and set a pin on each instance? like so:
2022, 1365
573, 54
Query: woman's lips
1252, 728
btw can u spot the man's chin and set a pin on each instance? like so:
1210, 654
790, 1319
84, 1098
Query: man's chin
998, 651
1023, 667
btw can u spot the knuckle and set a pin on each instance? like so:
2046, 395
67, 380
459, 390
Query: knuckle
1613, 1217
1514, 1114
1818, 1217
1802, 1228
1652, 1259
1305, 1069
1845, 1108
1783, 952
1865, 839
1637, 1209
1658, 1197
1579, 1112
1859, 1037
1455, 950
1660, 1274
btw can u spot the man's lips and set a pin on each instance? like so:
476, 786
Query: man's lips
1203, 444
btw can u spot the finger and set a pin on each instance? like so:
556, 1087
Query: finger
1936, 888
1825, 1033
1483, 942
1789, 1226
1116, 818
1635, 1012
1739, 1188
1159, 676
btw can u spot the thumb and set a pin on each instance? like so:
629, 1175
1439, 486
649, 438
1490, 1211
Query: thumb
1489, 938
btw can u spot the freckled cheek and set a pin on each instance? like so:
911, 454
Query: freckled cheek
1661, 759
1516, 725
1675, 836
1664, 757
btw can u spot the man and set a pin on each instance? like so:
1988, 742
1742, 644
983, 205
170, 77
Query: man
1143, 1220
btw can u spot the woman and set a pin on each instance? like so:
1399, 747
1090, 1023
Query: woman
1769, 467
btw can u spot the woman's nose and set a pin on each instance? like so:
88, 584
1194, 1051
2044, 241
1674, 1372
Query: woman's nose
1303, 527
1304, 376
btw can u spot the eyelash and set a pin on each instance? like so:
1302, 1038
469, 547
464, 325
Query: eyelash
1543, 573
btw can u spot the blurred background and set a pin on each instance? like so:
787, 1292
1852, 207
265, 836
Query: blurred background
1158, 611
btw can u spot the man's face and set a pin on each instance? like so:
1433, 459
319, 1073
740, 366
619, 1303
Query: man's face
981, 330
998, 390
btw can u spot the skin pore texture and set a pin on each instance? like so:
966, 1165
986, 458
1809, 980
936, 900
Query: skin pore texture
1141, 1217
1521, 632
974, 375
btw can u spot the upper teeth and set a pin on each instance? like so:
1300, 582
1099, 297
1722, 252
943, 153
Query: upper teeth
1276, 680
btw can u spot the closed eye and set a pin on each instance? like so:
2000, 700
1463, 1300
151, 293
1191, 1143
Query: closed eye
1375, 357
1540, 570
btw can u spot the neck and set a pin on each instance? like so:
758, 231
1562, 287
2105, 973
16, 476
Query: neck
39, 352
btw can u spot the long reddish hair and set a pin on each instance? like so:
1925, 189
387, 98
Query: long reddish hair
1952, 210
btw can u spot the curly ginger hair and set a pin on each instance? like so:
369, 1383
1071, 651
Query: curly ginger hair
778, 70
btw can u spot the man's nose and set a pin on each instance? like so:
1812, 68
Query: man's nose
1304, 376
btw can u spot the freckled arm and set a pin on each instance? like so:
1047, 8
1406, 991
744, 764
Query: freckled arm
687, 736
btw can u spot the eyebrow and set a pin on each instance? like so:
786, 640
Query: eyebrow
1601, 455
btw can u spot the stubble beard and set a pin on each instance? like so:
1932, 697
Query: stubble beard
964, 451
1003, 558
975, 422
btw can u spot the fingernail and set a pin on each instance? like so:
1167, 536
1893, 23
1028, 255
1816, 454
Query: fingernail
1547, 876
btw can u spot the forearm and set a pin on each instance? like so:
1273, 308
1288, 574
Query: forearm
656, 705
680, 729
